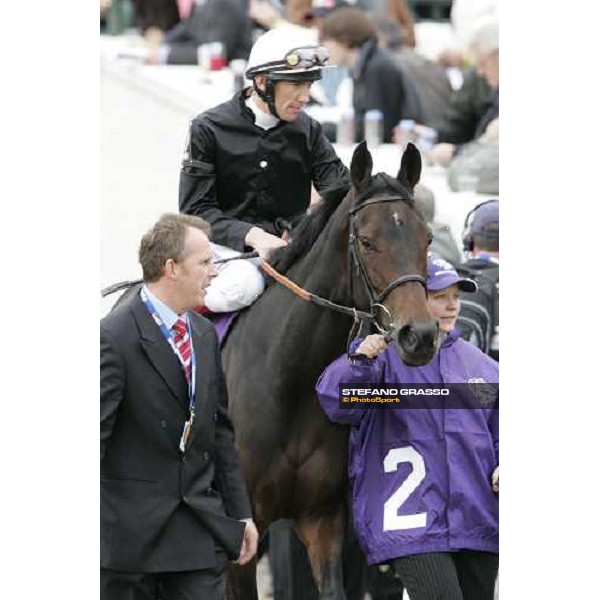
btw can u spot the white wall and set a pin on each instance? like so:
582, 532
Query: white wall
142, 142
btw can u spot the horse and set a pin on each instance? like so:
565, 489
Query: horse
363, 249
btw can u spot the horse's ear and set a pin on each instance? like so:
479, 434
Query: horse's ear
361, 167
410, 167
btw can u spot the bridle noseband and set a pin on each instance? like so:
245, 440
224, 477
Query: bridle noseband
377, 300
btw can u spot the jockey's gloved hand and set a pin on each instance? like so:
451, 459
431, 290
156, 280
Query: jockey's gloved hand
263, 242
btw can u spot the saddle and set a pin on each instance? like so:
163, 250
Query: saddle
222, 321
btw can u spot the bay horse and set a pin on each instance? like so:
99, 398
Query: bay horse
364, 248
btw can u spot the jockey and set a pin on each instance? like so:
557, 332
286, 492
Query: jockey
425, 480
250, 162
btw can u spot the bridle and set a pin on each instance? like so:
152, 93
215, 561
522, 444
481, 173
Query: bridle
376, 306
376, 300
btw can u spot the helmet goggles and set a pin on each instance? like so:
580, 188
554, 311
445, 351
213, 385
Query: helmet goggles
304, 58
295, 61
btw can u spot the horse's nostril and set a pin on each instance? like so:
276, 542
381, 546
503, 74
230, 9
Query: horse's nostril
408, 339
411, 339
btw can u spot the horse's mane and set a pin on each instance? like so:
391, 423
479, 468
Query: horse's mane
309, 229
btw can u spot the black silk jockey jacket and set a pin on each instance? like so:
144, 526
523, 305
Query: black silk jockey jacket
236, 175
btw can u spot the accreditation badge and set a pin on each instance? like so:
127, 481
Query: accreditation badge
185, 435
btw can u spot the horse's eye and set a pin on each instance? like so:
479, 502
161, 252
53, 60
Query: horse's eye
367, 244
430, 238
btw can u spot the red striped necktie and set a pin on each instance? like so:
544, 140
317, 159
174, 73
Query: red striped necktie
183, 344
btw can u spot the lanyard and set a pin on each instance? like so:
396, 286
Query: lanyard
192, 382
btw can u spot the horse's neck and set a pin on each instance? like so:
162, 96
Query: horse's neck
324, 270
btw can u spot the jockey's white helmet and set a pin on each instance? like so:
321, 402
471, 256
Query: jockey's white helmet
287, 54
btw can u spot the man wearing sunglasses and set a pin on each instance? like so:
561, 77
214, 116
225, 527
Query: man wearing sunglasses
250, 162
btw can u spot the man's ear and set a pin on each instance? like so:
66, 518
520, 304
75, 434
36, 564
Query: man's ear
169, 270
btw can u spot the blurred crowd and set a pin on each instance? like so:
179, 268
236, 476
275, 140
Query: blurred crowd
447, 104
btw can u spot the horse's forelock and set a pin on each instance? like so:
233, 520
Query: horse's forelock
382, 184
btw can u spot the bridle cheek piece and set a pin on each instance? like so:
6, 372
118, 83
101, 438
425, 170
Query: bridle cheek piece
377, 300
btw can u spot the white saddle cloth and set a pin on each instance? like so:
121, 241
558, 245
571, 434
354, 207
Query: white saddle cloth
238, 284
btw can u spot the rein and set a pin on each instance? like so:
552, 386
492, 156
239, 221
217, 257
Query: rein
376, 300
310, 297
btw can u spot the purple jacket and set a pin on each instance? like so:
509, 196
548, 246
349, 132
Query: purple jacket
420, 478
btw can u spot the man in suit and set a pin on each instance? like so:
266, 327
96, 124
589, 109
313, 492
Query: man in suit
209, 21
174, 505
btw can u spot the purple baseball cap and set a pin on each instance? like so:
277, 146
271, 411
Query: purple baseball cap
441, 274
484, 216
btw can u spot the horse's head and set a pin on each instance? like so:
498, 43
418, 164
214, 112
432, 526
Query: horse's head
388, 243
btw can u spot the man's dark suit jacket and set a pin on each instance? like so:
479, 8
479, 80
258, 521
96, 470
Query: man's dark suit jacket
161, 510
379, 83
212, 21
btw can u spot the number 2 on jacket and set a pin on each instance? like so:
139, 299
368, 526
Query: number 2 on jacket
391, 519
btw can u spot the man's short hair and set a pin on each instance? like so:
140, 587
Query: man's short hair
166, 240
348, 26
485, 36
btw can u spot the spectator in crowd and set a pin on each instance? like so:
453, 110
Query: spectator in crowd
429, 77
104, 10
443, 244
306, 12
174, 505
104, 6
425, 481
209, 21
116, 16
400, 11
479, 314
464, 108
465, 17
250, 162
161, 15
267, 14
334, 78
379, 83
484, 46
480, 159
